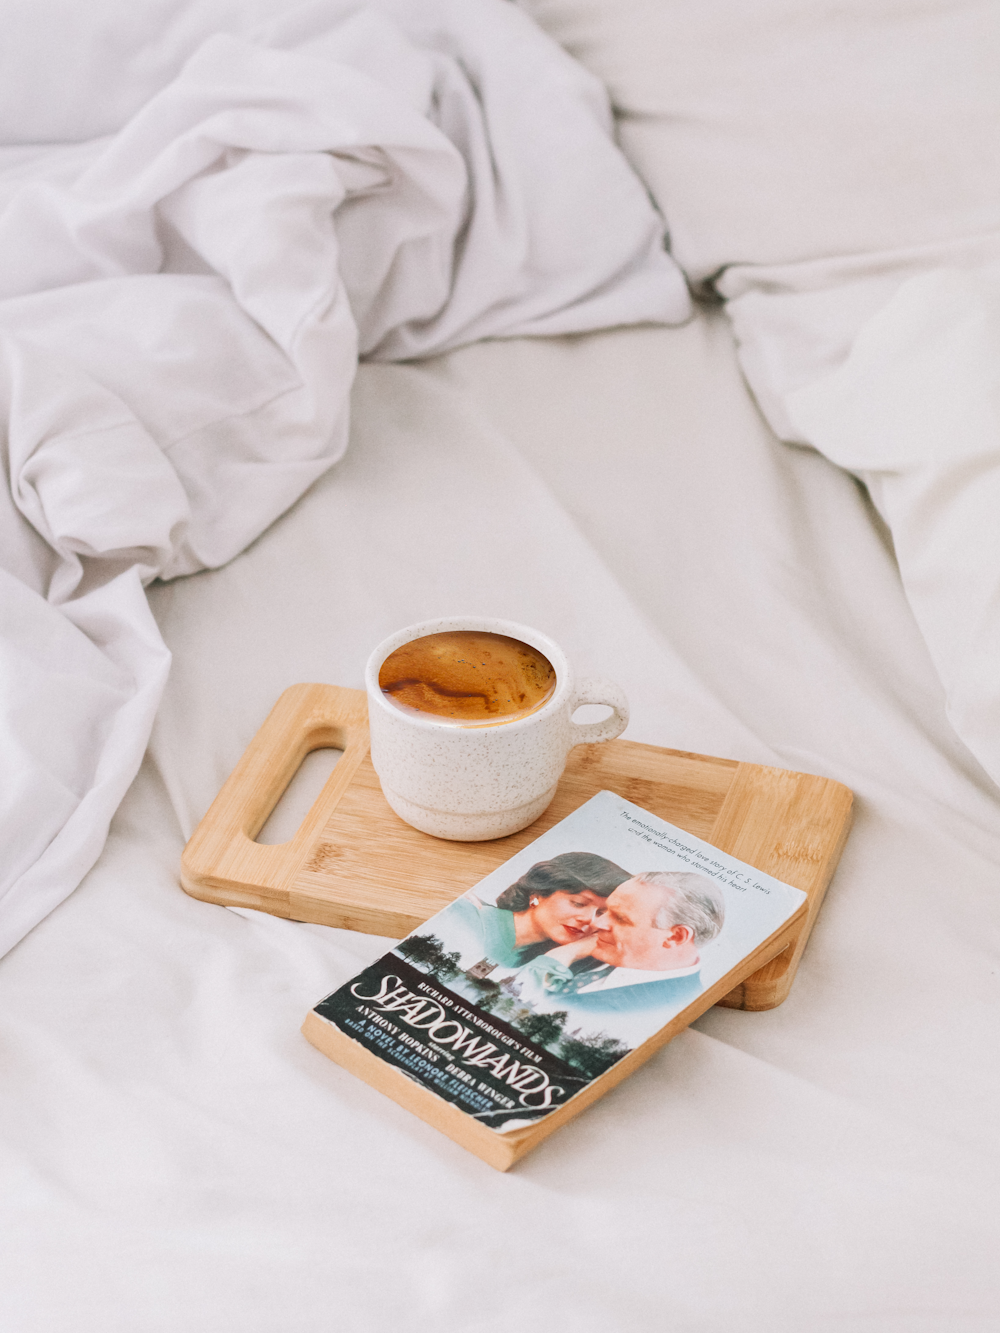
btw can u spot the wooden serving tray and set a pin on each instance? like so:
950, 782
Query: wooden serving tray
355, 864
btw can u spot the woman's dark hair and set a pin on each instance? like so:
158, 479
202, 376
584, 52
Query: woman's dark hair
571, 872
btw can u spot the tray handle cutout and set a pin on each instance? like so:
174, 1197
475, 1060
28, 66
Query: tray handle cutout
299, 796
222, 853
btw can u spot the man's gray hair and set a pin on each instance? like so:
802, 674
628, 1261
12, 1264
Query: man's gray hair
694, 901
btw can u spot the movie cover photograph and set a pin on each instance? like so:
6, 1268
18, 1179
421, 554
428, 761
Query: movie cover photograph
578, 949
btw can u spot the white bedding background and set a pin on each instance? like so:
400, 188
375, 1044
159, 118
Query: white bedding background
182, 306
833, 172
175, 1156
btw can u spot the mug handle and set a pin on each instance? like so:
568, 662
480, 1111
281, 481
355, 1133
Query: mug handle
595, 690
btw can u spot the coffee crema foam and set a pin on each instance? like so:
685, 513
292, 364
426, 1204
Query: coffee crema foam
468, 678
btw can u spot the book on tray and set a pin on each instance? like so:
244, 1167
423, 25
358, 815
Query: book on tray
562, 971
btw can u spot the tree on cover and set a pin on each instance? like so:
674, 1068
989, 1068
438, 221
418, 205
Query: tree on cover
592, 1054
428, 952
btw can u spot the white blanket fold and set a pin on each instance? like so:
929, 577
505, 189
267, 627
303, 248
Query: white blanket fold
180, 325
890, 366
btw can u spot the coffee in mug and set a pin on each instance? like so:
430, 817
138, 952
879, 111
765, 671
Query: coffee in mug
468, 678
471, 721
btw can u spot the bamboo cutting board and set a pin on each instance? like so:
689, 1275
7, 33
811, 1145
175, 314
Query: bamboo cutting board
354, 863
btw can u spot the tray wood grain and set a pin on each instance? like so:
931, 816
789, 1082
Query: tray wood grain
355, 864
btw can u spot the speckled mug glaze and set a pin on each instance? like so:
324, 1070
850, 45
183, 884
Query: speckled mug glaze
473, 783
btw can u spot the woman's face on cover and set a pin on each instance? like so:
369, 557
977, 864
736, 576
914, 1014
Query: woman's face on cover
565, 917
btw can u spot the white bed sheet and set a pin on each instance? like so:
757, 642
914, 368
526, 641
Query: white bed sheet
177, 1157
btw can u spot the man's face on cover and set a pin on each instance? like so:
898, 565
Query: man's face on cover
626, 934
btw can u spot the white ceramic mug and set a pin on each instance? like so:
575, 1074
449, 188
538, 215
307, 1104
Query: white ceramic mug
473, 783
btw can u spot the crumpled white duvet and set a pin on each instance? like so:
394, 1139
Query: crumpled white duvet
182, 307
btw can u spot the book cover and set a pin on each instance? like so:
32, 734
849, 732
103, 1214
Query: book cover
538, 982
